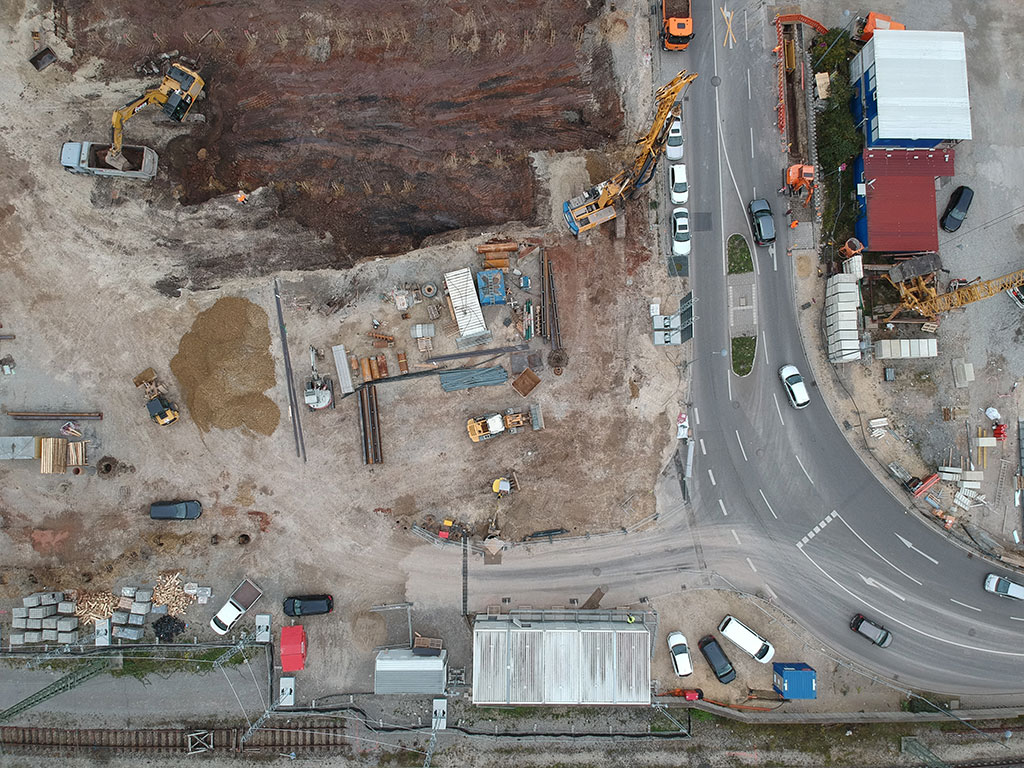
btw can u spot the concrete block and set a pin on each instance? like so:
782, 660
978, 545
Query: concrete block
159, 610
40, 611
129, 591
67, 607
50, 598
17, 638
49, 622
136, 619
124, 603
128, 633
67, 623
120, 617
144, 595
33, 637
31, 601
142, 608
67, 637
17, 623
34, 624
49, 635
19, 613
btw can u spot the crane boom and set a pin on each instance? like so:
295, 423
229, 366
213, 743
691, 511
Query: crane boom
597, 204
177, 93
965, 295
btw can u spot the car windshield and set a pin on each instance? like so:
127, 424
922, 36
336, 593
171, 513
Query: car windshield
958, 213
680, 186
796, 378
678, 649
1002, 586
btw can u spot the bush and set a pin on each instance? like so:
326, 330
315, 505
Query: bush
739, 256
743, 349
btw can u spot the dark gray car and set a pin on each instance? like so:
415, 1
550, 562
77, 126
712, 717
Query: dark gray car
876, 633
716, 658
762, 221
175, 510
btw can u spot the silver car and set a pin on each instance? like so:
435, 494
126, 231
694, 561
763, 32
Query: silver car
674, 147
680, 653
997, 585
681, 232
678, 189
795, 387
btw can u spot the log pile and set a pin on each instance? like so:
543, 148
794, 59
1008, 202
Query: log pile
170, 592
90, 606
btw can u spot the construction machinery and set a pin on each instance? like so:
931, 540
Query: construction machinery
867, 26
178, 91
919, 294
800, 178
161, 410
512, 421
319, 393
676, 25
598, 204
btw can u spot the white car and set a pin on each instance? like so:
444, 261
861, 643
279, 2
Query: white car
681, 232
678, 189
796, 389
674, 147
680, 653
997, 585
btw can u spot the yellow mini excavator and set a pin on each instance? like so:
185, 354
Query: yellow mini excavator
177, 93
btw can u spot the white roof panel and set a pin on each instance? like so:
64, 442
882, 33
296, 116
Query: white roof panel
462, 291
921, 85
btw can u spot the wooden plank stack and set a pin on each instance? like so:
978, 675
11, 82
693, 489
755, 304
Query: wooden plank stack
170, 592
90, 606
76, 454
53, 455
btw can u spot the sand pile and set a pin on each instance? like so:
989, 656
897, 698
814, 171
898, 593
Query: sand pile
224, 366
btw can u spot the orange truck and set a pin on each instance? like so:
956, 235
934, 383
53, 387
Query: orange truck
676, 25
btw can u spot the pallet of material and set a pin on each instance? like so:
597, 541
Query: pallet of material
496, 263
53, 458
76, 454
526, 382
500, 247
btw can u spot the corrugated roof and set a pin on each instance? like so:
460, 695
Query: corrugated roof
921, 84
842, 328
560, 662
399, 670
462, 291
909, 162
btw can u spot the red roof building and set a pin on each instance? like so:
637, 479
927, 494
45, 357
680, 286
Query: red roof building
293, 648
897, 189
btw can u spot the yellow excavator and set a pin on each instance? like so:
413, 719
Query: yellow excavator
177, 93
597, 204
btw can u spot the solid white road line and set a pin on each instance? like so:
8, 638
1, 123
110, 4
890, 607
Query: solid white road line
767, 504
703, 450
720, 142
751, 565
696, 415
802, 467
748, 68
741, 445
877, 553
751, 142
764, 341
735, 536
712, 476
1015, 618
728, 381
965, 605
779, 410
726, 514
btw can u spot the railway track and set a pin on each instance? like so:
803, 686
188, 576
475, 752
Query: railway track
298, 737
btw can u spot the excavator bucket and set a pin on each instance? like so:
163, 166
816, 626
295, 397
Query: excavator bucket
118, 161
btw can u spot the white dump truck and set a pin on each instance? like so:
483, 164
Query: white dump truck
89, 157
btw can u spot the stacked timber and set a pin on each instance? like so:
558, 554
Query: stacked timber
53, 455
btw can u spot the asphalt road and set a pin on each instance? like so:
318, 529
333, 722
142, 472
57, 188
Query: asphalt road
781, 505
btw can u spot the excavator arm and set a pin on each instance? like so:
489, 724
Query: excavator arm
177, 92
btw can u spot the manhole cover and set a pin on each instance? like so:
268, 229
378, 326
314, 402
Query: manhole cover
716, 81
597, 571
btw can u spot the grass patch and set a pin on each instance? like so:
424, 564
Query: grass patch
743, 349
141, 665
739, 256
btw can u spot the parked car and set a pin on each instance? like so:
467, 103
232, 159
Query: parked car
308, 605
1017, 294
680, 653
796, 389
674, 147
716, 659
997, 585
746, 639
762, 221
175, 510
876, 633
681, 232
956, 211
678, 188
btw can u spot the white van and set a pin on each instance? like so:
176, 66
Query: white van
746, 639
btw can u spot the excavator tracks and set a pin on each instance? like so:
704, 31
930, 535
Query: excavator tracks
282, 738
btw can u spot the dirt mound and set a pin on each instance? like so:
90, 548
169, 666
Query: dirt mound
224, 366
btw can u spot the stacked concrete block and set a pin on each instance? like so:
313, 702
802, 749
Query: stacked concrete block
33, 637
136, 619
34, 624
50, 598
66, 607
40, 611
159, 610
124, 603
128, 633
19, 623
67, 637
31, 601
144, 595
67, 623
120, 617
142, 608
129, 591
17, 638
50, 622
49, 635
19, 613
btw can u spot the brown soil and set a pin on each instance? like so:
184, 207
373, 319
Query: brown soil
224, 366
383, 127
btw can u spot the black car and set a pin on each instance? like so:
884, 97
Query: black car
876, 633
956, 211
175, 510
308, 605
717, 659
762, 221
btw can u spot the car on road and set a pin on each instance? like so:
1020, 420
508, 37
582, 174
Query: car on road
175, 510
876, 633
678, 188
796, 389
997, 585
674, 146
956, 211
308, 605
716, 659
681, 232
680, 653
762, 221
